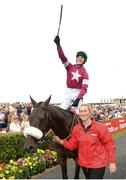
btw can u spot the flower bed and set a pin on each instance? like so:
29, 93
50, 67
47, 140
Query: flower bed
29, 165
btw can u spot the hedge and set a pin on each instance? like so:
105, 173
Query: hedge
12, 146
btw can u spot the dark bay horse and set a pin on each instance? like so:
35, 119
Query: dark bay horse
44, 117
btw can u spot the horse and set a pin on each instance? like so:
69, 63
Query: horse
45, 117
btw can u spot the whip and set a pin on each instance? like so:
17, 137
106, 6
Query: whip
61, 10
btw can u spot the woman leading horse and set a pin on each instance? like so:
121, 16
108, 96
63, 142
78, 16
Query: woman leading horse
96, 147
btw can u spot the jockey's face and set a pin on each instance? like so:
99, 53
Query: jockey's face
84, 113
80, 60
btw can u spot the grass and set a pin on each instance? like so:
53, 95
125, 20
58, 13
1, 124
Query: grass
118, 134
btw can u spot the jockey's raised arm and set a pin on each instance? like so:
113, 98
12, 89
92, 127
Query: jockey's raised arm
61, 53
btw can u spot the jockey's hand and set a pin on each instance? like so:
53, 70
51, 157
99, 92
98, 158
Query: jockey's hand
57, 40
73, 109
75, 103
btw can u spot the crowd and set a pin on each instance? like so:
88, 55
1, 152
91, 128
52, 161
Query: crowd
15, 117
109, 111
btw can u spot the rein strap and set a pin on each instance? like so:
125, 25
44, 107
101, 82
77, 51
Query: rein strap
71, 128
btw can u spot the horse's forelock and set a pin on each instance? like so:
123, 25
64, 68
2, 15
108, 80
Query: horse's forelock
39, 115
39, 106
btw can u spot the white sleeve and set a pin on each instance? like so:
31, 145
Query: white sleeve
14, 128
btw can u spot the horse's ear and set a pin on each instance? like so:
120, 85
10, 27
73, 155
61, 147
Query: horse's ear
48, 100
33, 101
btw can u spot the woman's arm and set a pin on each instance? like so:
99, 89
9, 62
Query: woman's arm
70, 144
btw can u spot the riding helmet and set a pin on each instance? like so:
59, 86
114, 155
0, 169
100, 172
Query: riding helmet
83, 54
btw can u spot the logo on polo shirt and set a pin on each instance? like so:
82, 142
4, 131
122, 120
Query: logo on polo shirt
94, 134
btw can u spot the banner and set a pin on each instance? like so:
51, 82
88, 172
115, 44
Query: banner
116, 125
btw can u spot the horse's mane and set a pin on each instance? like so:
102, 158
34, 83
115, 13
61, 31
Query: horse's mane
64, 116
64, 111
57, 107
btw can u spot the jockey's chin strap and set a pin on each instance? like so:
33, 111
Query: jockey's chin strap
72, 125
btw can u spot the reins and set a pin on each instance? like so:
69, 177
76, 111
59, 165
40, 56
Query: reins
71, 128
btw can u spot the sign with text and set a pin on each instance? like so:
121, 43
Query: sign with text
116, 125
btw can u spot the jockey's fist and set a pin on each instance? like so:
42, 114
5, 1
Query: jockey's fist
57, 40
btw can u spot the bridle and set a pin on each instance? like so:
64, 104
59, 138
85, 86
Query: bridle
72, 125
71, 128
45, 124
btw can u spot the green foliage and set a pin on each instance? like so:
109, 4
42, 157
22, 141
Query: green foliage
47, 143
11, 146
28, 166
21, 164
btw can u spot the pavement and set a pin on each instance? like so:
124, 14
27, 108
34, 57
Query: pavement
55, 172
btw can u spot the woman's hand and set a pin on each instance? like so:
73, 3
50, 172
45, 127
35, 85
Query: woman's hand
112, 167
22, 126
58, 140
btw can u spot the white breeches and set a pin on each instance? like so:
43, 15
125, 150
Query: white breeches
70, 96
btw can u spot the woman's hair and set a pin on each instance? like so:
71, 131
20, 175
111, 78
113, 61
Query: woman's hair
25, 117
88, 106
13, 117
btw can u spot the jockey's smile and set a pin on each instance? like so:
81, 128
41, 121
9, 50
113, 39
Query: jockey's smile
80, 60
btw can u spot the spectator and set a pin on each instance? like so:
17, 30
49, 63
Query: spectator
15, 125
3, 123
96, 116
25, 121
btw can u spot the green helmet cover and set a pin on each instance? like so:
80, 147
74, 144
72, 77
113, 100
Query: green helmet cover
83, 54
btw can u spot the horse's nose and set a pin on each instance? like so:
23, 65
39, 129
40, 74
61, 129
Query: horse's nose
30, 148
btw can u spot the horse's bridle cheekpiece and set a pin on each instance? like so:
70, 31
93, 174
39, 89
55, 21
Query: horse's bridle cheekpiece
46, 120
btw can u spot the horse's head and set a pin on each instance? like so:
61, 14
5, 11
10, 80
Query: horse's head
39, 124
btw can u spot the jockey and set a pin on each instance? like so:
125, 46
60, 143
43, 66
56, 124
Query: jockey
77, 78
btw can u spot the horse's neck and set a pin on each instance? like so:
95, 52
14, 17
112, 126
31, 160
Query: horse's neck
61, 121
